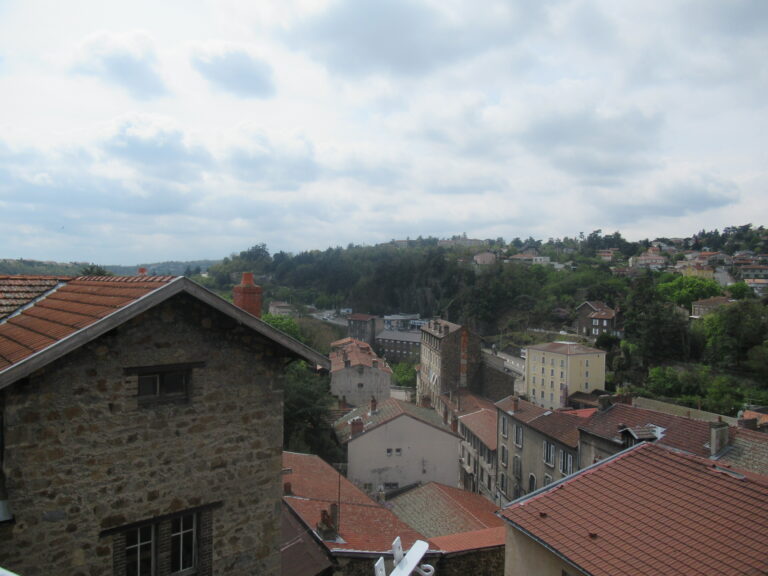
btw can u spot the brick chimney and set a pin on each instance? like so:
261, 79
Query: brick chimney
142, 271
515, 404
718, 437
247, 295
356, 427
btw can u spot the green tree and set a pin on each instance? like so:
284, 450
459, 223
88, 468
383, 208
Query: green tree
94, 270
683, 290
404, 374
285, 324
733, 330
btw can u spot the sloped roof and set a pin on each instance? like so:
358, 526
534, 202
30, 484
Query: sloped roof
482, 424
358, 353
437, 510
16, 291
81, 309
386, 411
300, 553
526, 411
400, 335
476, 540
748, 450
463, 401
651, 511
568, 348
681, 433
562, 426
364, 525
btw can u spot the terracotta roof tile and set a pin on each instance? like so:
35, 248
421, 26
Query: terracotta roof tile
465, 402
652, 511
16, 291
358, 353
681, 433
465, 541
526, 411
562, 426
364, 525
483, 425
436, 510
65, 307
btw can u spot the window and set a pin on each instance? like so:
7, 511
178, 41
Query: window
503, 483
398, 452
359, 384
549, 453
547, 479
183, 543
504, 431
178, 544
166, 383
517, 467
140, 551
542, 394
531, 483
587, 363
391, 485
518, 435
595, 322
389, 451
586, 374
566, 462
503, 455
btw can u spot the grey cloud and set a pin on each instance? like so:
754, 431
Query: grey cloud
134, 71
596, 148
682, 198
236, 72
359, 37
160, 153
274, 169
735, 18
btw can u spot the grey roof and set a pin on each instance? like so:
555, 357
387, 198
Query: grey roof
401, 335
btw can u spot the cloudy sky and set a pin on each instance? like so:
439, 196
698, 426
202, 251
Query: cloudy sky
145, 131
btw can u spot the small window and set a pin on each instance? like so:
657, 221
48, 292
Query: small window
389, 451
359, 385
391, 485
183, 543
549, 453
531, 483
170, 385
503, 455
517, 467
547, 479
519, 435
566, 462
504, 431
398, 452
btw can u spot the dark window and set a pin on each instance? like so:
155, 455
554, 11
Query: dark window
183, 543
165, 385
140, 551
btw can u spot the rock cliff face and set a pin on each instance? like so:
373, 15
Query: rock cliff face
87, 460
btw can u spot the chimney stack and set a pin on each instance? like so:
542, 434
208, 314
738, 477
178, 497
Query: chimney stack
247, 295
356, 427
718, 437
142, 271
515, 404
373, 405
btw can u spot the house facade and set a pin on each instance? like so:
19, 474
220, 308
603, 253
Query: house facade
357, 373
536, 446
555, 370
596, 318
392, 444
141, 430
478, 451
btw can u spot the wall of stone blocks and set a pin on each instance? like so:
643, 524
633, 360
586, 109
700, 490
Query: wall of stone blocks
82, 457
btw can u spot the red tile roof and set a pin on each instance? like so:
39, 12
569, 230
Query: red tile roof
465, 402
55, 321
562, 426
358, 353
526, 411
364, 525
483, 425
436, 510
70, 307
386, 411
17, 291
651, 511
681, 433
466, 541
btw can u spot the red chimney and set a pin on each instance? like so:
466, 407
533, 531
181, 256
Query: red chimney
142, 271
356, 427
515, 404
247, 295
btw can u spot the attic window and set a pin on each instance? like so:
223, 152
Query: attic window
166, 383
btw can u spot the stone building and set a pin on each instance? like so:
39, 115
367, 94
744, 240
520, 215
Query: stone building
450, 360
357, 374
141, 430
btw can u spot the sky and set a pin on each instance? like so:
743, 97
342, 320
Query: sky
141, 131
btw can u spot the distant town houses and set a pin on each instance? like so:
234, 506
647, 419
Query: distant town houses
706, 306
595, 318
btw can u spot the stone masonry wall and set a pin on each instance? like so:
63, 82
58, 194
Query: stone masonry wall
81, 456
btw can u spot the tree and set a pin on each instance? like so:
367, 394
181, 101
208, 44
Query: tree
683, 290
94, 270
285, 324
404, 374
732, 330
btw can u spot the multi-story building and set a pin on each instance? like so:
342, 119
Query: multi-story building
357, 373
477, 428
450, 360
536, 446
557, 369
140, 429
596, 318
399, 345
363, 327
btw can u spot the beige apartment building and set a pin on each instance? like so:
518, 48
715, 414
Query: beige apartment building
555, 370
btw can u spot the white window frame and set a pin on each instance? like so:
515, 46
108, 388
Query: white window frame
518, 435
504, 455
549, 453
566, 463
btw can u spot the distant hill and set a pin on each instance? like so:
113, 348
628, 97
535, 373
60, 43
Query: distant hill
39, 268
